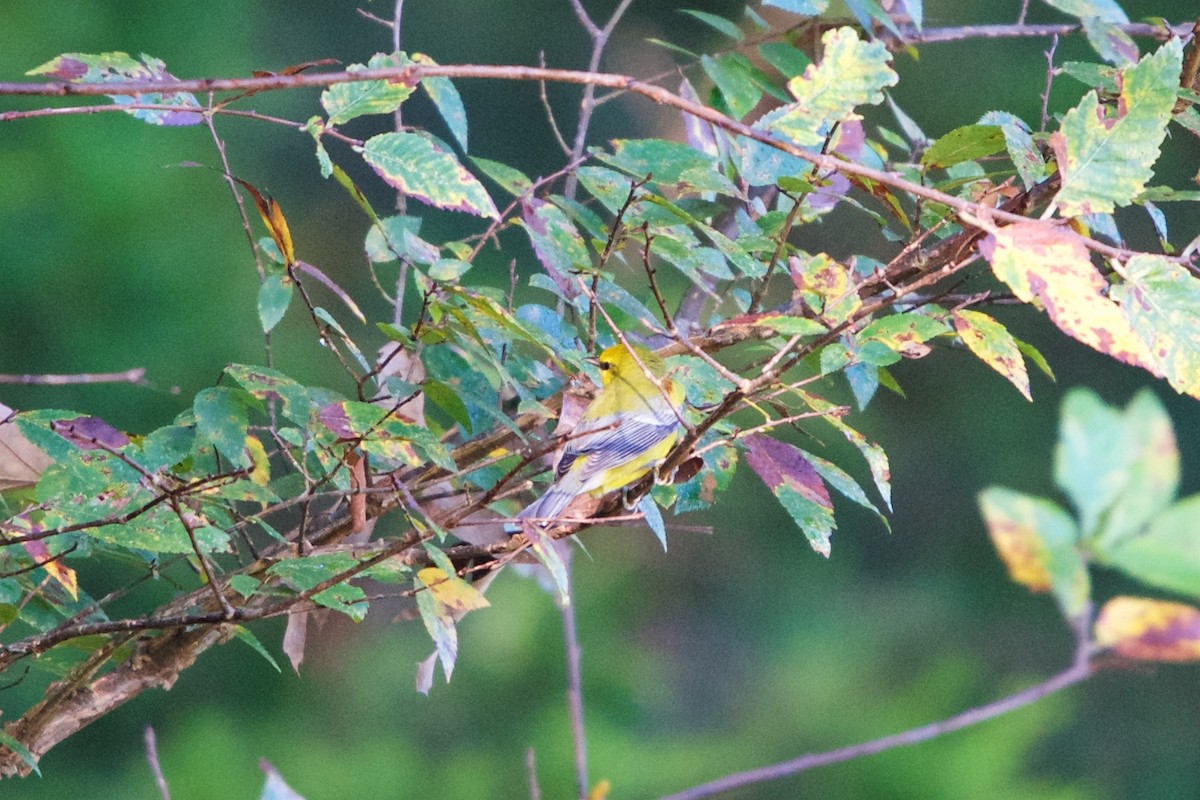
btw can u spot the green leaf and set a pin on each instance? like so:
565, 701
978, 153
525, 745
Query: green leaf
719, 24
1036, 540
849, 488
448, 400
873, 454
1167, 554
265, 383
511, 180
903, 335
1020, 145
797, 485
243, 633
789, 60
556, 241
21, 750
1106, 10
423, 167
654, 519
274, 297
993, 345
968, 143
117, 68
851, 73
447, 100
1161, 299
222, 418
1118, 469
1106, 157
667, 161
735, 78
346, 101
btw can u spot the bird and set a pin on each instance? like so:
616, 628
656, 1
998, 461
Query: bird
625, 431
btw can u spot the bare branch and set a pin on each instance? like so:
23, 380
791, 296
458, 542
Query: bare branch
136, 376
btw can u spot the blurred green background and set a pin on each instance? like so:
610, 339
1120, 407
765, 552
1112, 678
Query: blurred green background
731, 651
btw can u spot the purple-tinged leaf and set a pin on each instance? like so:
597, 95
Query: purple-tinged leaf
116, 68
792, 478
423, 167
329, 284
556, 242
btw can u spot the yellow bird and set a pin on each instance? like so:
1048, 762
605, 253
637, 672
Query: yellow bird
627, 429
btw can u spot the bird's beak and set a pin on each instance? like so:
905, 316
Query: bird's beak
593, 360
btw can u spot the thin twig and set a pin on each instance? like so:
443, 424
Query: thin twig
1049, 83
535, 790
575, 689
558, 137
588, 104
152, 756
1080, 670
136, 376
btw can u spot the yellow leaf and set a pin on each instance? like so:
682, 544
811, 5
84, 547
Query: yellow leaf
261, 471
451, 591
1149, 630
1048, 264
600, 790
65, 576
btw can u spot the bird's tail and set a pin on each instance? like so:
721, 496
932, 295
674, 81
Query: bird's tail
547, 507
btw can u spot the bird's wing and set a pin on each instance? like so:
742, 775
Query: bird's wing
613, 446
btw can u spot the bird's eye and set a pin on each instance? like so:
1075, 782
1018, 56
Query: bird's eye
605, 365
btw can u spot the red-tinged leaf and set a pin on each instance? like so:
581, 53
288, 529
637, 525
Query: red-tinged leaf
90, 433
64, 575
424, 168
993, 345
556, 242
294, 636
1149, 630
272, 217
116, 68
797, 484
328, 283
1046, 263
1036, 541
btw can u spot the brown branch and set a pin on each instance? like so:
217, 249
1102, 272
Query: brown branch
1080, 670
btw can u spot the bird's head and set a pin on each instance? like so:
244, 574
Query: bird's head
617, 361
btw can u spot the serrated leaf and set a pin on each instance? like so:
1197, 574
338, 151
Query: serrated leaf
274, 297
511, 180
423, 167
1050, 264
851, 73
1149, 630
1105, 156
1161, 300
346, 101
222, 418
116, 68
1036, 541
447, 100
1018, 141
556, 242
967, 143
796, 484
265, 383
993, 345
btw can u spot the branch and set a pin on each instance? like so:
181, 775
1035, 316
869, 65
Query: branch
136, 376
1080, 670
